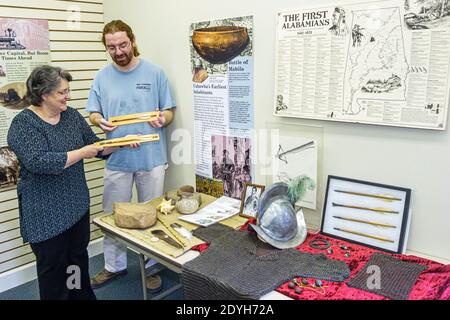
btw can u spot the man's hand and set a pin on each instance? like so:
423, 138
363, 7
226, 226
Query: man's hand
133, 145
158, 122
105, 125
97, 120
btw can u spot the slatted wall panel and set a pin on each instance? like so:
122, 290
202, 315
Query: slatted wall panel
75, 44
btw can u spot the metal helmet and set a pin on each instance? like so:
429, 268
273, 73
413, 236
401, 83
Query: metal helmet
277, 223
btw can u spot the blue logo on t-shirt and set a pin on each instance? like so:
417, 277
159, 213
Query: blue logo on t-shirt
147, 87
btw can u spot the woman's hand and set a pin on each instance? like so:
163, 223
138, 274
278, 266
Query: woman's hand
90, 151
86, 152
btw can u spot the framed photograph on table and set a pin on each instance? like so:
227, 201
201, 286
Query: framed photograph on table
250, 200
372, 214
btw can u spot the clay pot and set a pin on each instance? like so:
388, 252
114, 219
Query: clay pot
172, 195
188, 203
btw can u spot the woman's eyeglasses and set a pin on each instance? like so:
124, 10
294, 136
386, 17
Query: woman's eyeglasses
65, 92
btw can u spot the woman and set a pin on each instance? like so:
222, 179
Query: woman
50, 140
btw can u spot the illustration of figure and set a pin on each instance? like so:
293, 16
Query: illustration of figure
200, 74
246, 173
215, 169
357, 35
2, 72
239, 156
406, 5
227, 173
251, 203
339, 27
247, 157
240, 179
280, 104
11, 33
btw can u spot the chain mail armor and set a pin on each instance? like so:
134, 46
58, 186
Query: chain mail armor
396, 277
238, 266
210, 233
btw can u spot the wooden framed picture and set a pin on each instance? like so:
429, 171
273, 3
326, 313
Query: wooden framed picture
250, 200
372, 214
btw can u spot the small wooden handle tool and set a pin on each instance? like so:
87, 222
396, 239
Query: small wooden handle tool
134, 118
126, 141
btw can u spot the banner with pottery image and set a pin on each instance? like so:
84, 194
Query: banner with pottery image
222, 85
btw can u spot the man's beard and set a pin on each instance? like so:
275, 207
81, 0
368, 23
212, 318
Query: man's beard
123, 62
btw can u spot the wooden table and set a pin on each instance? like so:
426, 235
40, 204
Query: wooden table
145, 248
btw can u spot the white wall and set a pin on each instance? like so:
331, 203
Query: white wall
411, 158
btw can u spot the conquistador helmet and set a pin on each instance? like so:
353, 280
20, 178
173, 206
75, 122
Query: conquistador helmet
277, 223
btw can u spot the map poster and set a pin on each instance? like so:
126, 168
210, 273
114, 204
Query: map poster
381, 62
24, 44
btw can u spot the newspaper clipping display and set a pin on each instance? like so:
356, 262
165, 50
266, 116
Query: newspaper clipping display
24, 44
381, 62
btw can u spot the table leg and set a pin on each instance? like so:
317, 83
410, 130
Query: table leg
142, 265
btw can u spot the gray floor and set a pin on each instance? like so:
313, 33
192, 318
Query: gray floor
127, 287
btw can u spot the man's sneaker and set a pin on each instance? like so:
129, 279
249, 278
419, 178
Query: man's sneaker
153, 283
104, 276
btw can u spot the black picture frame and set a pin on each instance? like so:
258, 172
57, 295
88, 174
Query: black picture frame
367, 210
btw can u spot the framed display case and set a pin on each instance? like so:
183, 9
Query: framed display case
367, 213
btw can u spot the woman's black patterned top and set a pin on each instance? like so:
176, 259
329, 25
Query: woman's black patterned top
51, 198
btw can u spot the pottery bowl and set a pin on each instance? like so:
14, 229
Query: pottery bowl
188, 203
220, 44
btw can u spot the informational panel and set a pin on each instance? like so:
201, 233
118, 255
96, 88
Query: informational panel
24, 44
296, 151
381, 62
222, 87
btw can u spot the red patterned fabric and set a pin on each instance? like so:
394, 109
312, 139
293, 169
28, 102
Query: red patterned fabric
432, 284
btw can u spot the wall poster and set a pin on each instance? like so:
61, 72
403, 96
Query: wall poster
222, 86
380, 62
24, 44
297, 150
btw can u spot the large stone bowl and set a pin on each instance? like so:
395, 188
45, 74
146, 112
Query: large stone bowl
219, 45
